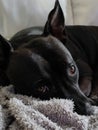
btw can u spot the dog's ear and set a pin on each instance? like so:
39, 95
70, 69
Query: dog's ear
5, 51
55, 24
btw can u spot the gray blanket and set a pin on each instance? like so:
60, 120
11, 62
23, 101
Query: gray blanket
18, 112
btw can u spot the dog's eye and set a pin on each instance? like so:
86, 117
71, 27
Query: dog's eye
72, 70
43, 89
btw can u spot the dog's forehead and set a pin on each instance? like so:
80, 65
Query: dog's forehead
44, 51
49, 46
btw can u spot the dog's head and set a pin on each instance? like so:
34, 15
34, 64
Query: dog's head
44, 67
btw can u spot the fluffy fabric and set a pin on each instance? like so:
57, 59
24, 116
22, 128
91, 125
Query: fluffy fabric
18, 112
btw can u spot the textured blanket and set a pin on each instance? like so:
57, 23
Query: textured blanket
18, 112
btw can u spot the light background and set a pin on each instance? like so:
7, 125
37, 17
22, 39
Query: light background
19, 14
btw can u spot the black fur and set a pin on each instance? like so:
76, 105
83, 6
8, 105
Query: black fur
54, 61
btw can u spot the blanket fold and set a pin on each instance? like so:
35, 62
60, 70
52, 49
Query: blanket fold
20, 112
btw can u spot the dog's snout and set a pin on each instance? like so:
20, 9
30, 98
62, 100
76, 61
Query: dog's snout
89, 109
84, 107
82, 103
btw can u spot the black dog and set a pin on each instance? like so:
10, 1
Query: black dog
45, 64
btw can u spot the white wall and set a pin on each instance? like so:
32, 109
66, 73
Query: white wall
19, 14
